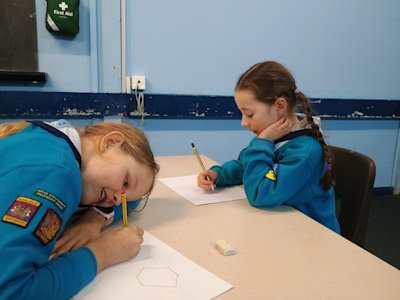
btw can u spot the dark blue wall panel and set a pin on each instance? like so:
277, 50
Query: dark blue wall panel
88, 105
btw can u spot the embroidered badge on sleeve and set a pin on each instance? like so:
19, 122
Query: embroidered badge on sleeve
21, 211
271, 174
48, 227
51, 197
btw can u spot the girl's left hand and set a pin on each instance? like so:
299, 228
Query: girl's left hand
86, 229
276, 130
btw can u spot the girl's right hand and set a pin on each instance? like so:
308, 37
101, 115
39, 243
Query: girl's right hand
203, 182
116, 245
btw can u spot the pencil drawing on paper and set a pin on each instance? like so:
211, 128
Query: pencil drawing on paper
158, 277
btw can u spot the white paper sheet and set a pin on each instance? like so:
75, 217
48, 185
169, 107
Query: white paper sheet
186, 186
157, 272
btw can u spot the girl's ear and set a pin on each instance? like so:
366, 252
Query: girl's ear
281, 107
112, 139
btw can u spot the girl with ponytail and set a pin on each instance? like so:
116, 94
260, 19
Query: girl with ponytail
288, 161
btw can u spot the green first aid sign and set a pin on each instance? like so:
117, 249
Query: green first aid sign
63, 16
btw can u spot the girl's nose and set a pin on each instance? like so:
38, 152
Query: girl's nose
117, 199
244, 122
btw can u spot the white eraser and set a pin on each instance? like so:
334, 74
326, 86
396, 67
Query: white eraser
224, 247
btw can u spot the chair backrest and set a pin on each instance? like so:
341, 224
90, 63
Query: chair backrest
354, 176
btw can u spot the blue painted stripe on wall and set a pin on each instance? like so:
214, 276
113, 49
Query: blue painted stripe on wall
17, 105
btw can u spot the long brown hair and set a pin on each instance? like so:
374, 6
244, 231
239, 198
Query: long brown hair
270, 80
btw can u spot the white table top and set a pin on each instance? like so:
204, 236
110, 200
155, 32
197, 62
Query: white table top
281, 253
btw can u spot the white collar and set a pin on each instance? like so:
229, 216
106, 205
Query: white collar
65, 127
303, 124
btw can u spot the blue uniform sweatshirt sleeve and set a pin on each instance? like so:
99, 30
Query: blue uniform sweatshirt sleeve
27, 272
231, 172
270, 181
53, 280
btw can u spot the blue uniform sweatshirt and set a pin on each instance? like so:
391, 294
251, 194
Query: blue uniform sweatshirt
286, 175
40, 187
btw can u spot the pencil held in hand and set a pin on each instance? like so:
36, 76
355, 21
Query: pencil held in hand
124, 209
202, 165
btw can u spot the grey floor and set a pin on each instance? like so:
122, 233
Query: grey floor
383, 233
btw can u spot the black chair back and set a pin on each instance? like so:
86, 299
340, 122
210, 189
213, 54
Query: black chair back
354, 176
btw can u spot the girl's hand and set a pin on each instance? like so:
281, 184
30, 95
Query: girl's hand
116, 245
203, 182
276, 130
86, 229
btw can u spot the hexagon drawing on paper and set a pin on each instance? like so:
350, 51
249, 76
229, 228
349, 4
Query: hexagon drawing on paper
158, 277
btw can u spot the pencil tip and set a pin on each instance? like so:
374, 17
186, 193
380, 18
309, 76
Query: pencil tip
192, 145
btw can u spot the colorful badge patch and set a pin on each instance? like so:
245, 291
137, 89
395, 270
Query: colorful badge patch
271, 174
21, 211
51, 197
48, 227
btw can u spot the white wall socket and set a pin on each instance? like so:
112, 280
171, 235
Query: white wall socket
138, 82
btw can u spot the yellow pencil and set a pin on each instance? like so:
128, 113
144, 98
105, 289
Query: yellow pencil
124, 209
201, 164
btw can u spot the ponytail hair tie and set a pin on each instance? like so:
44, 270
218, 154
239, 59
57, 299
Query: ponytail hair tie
329, 167
297, 91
